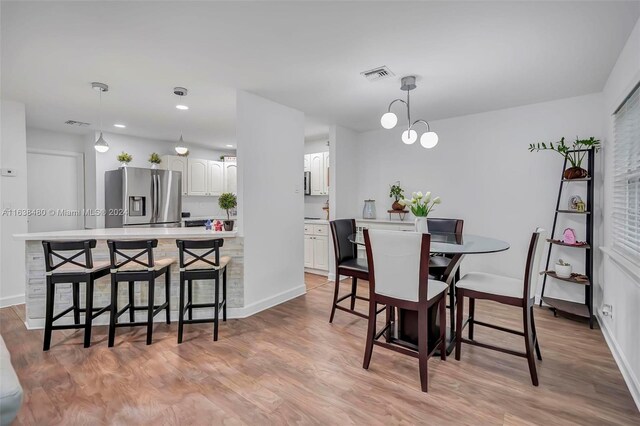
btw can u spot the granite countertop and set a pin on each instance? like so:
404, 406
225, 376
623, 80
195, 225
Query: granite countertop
130, 233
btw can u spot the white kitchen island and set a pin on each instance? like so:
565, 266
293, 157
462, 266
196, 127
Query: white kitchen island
202, 290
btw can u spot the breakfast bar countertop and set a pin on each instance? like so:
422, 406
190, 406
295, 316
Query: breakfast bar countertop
126, 233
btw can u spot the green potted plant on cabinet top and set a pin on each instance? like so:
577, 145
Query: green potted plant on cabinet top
155, 159
228, 201
397, 193
569, 153
124, 158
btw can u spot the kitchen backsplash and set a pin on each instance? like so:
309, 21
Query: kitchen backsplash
313, 206
203, 206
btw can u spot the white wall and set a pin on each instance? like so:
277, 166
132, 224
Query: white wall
141, 149
620, 287
484, 174
270, 141
313, 204
13, 148
57, 141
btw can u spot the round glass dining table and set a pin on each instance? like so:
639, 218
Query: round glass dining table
449, 243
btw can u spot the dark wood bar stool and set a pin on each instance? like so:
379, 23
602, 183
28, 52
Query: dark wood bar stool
201, 260
76, 268
347, 264
137, 266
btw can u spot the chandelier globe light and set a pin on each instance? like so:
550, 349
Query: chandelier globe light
429, 139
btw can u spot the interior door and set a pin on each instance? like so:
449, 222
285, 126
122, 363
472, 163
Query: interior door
55, 180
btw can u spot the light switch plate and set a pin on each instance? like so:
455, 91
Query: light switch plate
8, 172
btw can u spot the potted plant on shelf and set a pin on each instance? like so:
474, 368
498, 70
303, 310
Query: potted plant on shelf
563, 269
228, 201
397, 193
154, 159
421, 205
572, 154
124, 159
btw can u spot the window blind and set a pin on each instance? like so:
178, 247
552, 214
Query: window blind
626, 171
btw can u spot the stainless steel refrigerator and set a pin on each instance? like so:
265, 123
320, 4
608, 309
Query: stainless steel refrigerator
142, 197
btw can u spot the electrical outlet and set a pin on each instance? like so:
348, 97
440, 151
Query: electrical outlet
8, 172
607, 310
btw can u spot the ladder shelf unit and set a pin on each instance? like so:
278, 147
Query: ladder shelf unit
576, 309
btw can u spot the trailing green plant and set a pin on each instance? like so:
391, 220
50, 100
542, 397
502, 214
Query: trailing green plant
155, 158
227, 201
568, 151
124, 157
396, 191
420, 205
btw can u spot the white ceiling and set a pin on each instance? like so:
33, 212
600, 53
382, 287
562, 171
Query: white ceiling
469, 57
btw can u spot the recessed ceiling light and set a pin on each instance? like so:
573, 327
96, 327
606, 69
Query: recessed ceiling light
120, 126
229, 146
182, 107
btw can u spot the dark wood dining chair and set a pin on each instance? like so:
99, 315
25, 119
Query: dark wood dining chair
439, 263
71, 262
509, 291
347, 264
399, 277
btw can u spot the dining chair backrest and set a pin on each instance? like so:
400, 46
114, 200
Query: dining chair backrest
81, 258
343, 248
199, 253
398, 263
452, 226
532, 269
120, 253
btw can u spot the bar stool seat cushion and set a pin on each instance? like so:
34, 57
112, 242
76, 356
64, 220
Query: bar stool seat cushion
355, 264
10, 389
491, 284
199, 264
158, 264
70, 268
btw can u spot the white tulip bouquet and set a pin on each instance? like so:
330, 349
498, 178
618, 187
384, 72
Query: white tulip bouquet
420, 205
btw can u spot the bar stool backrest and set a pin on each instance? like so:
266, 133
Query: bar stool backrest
81, 258
343, 248
120, 253
205, 251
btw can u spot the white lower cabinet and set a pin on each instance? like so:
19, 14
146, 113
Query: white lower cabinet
316, 247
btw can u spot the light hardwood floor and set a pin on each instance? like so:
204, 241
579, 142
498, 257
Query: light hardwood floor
289, 365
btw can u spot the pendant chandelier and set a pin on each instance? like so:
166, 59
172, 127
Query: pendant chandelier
181, 147
389, 120
101, 145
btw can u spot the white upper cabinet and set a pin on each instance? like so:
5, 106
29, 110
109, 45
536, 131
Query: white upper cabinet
231, 177
177, 164
319, 168
307, 162
325, 173
216, 177
198, 177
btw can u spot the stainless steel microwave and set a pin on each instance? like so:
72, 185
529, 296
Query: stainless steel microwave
307, 183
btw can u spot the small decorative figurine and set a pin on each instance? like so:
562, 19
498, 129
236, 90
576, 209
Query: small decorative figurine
207, 225
574, 201
217, 225
581, 206
569, 236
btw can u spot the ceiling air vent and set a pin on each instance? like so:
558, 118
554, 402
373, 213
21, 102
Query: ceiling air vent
77, 123
378, 73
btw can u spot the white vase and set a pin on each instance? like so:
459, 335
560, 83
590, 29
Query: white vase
421, 225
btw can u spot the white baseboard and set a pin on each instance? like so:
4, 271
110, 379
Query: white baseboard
232, 313
623, 365
11, 300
